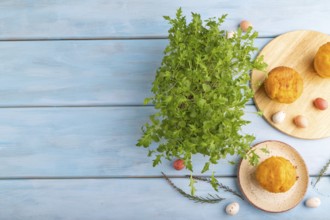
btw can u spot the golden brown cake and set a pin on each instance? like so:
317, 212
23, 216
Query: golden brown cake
276, 174
322, 60
283, 84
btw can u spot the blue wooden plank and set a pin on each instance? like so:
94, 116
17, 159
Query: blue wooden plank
57, 73
100, 141
123, 199
131, 18
77, 72
56, 142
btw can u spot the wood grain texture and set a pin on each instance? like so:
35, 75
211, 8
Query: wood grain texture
80, 162
296, 50
56, 19
53, 73
77, 142
123, 199
78, 73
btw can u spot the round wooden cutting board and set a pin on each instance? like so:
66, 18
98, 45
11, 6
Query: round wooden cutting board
296, 50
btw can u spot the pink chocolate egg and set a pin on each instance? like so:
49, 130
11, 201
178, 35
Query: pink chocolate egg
245, 25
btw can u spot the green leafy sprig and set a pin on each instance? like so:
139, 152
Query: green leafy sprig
322, 172
200, 92
219, 185
198, 199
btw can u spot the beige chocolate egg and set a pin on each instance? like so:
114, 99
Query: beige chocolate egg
301, 121
313, 202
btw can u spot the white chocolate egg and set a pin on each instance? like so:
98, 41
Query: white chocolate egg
230, 34
313, 202
278, 117
232, 208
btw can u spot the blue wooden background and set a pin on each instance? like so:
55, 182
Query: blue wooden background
74, 74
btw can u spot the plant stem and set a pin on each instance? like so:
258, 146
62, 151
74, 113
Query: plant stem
322, 172
198, 199
221, 186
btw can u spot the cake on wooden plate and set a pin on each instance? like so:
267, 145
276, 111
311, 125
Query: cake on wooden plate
276, 174
283, 84
322, 60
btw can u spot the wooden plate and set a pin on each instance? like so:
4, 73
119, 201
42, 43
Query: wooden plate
267, 201
296, 50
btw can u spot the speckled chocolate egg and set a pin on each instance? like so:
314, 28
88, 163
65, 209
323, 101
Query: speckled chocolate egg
301, 121
232, 208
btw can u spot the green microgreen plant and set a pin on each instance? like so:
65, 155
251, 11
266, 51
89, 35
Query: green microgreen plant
200, 92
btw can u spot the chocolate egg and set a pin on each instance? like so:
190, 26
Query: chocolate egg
278, 117
313, 202
230, 34
245, 25
301, 121
320, 104
232, 208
